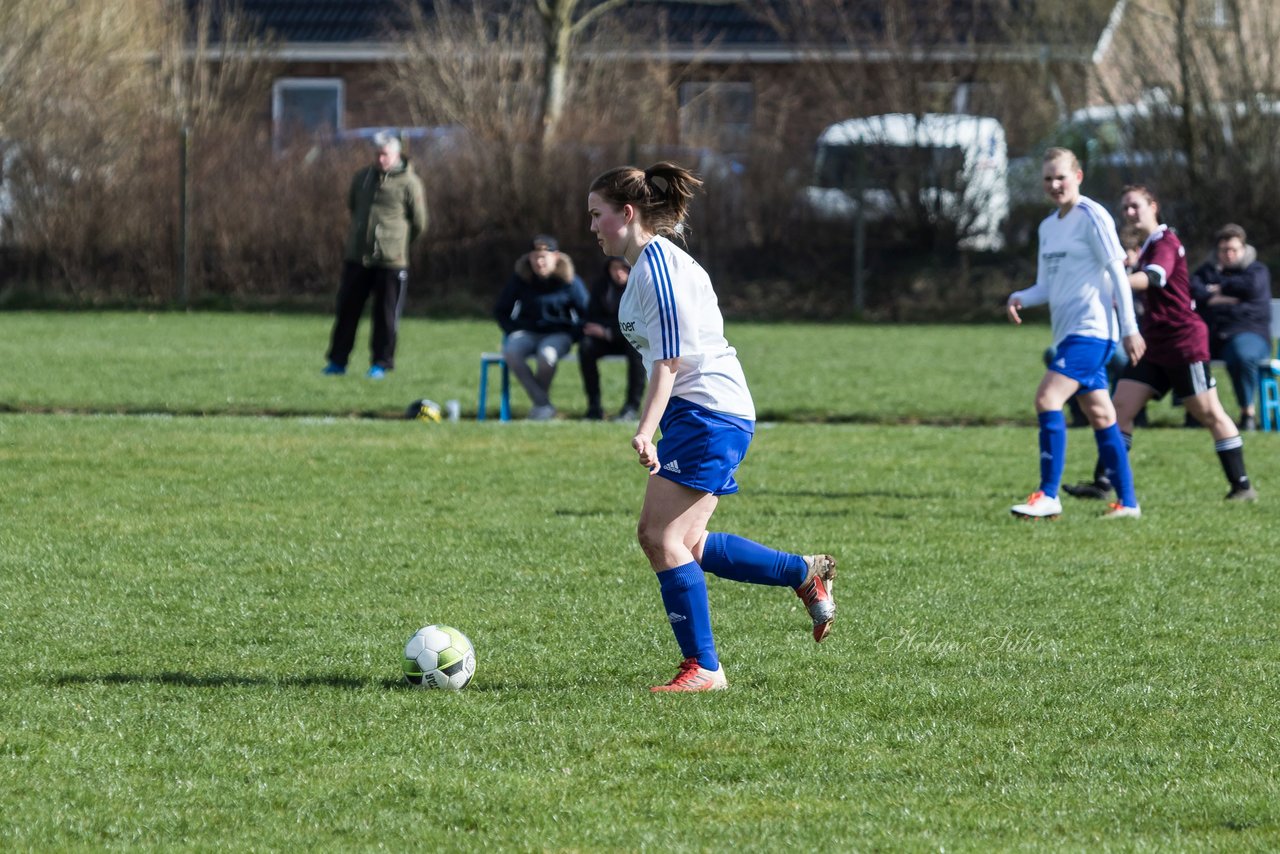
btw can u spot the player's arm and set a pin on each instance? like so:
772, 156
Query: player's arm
1155, 272
662, 380
657, 311
1122, 294
1107, 249
1145, 279
1037, 294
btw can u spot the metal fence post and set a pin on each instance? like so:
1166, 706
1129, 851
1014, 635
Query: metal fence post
859, 231
184, 215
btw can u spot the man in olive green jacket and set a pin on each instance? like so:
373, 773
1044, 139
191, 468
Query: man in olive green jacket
388, 211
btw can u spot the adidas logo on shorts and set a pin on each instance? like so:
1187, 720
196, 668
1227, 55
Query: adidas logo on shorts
672, 466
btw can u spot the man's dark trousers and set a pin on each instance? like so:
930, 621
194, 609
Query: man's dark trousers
590, 350
388, 286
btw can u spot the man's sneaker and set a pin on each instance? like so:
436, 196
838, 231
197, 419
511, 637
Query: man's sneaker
1248, 493
377, 372
1116, 510
815, 593
333, 369
1038, 506
692, 677
1097, 489
628, 413
542, 413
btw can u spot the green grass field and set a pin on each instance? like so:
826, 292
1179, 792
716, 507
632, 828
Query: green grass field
201, 617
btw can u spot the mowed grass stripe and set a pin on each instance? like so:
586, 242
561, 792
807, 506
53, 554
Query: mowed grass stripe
203, 621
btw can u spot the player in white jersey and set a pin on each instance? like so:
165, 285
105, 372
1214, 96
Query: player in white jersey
698, 397
1080, 274
688, 325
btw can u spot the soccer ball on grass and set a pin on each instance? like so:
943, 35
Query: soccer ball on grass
439, 657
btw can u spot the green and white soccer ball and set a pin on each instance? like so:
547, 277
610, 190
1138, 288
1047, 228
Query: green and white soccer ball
439, 657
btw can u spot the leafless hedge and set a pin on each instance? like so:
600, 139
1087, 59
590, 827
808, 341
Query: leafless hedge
100, 90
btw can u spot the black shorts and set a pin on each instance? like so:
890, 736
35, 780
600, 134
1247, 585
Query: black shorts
1185, 380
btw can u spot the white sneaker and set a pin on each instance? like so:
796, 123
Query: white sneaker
542, 413
1116, 510
1038, 506
692, 678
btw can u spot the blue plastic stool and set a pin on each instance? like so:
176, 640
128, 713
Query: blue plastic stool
504, 404
1269, 401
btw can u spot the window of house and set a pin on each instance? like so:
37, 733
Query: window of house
1217, 13
716, 115
305, 108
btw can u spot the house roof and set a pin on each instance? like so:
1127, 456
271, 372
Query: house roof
763, 30
346, 21
321, 21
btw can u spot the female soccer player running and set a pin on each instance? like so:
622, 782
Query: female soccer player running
1080, 274
1178, 357
698, 397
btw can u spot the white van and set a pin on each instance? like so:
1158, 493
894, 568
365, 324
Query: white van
954, 168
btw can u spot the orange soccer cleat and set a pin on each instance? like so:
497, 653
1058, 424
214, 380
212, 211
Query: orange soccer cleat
816, 594
693, 677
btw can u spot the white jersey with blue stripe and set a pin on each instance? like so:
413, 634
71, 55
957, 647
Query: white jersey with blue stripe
1071, 273
669, 311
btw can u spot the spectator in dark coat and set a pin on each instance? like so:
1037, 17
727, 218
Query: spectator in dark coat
1233, 292
388, 208
602, 336
541, 311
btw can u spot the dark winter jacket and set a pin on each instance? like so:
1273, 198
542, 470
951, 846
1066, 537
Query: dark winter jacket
603, 306
557, 303
1250, 283
388, 212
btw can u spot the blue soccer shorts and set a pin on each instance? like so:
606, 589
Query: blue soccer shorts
1084, 360
702, 449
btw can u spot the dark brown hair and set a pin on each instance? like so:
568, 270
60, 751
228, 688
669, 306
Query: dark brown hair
1231, 231
660, 194
1147, 193
1143, 189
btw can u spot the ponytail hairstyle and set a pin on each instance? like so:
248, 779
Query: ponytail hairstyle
660, 194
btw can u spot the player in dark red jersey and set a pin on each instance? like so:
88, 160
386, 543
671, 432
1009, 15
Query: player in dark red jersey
1177, 339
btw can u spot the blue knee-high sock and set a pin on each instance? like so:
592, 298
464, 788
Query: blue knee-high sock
739, 559
684, 595
1053, 451
1114, 456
